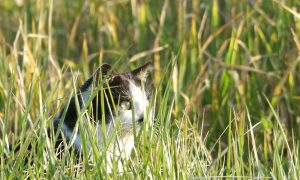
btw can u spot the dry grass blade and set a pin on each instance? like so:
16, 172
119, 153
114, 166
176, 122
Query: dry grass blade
140, 55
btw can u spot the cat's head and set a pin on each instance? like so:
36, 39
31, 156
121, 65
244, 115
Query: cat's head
126, 95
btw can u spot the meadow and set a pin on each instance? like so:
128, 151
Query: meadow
226, 84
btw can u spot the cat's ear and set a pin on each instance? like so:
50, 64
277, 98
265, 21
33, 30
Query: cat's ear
115, 80
105, 69
142, 72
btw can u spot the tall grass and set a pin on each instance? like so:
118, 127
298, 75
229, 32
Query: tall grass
225, 78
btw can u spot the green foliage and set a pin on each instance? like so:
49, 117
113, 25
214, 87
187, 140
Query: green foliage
226, 84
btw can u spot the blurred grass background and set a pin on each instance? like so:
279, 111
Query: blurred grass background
228, 59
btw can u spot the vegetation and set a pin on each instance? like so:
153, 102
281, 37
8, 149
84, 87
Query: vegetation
226, 84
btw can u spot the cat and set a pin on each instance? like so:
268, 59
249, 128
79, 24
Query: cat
125, 104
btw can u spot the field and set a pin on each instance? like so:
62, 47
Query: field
226, 84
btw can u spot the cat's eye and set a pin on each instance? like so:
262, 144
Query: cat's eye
125, 105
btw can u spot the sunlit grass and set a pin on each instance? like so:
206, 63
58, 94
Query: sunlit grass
226, 84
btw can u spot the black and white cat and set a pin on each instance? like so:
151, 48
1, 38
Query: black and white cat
125, 104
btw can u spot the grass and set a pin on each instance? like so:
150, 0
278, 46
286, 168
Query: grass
225, 77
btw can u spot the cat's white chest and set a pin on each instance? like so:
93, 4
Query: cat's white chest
120, 146
119, 151
126, 145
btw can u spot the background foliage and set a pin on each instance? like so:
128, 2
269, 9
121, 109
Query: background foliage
226, 74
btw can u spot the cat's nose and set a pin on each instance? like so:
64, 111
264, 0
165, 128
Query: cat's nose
141, 119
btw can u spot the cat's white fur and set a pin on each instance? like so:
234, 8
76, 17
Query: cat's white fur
72, 136
140, 102
125, 142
